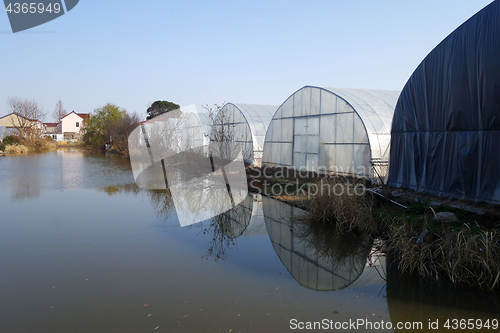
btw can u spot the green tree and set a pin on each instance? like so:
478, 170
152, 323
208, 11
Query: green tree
98, 127
160, 107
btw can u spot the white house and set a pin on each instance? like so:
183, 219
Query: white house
71, 124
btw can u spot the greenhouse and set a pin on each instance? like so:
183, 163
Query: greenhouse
246, 125
344, 131
446, 127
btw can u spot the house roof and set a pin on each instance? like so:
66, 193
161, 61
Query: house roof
81, 115
51, 124
20, 115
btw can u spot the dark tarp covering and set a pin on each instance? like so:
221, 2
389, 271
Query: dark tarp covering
446, 126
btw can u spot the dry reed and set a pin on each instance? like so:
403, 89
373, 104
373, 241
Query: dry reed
16, 149
464, 257
346, 211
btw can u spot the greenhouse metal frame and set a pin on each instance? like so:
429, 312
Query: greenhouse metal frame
246, 124
330, 130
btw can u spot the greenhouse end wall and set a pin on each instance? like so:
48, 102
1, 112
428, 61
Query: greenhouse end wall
446, 127
344, 131
245, 125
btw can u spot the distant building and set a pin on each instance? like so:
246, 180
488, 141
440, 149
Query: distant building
71, 125
56, 136
14, 121
51, 128
52, 132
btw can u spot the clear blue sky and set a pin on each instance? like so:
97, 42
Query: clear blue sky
132, 53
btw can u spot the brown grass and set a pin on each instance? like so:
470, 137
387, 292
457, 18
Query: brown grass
41, 144
348, 212
16, 149
465, 257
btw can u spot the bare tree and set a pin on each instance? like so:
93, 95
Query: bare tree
59, 111
223, 145
29, 116
121, 129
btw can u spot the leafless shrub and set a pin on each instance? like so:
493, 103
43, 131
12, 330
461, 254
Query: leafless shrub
223, 145
28, 117
121, 129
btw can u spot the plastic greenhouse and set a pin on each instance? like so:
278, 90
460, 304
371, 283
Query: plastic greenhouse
344, 131
245, 124
446, 127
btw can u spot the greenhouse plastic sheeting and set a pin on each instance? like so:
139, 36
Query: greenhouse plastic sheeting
246, 124
331, 130
446, 127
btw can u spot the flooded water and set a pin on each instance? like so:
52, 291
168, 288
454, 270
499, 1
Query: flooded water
82, 249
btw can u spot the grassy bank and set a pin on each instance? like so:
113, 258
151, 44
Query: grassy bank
13, 144
429, 236
65, 144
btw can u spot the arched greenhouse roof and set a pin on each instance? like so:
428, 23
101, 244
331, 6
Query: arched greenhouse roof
340, 130
249, 123
446, 127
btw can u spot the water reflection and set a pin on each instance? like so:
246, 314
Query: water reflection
25, 188
413, 299
108, 248
26, 176
245, 220
318, 258
24, 180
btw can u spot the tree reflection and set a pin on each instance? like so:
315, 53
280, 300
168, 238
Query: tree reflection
220, 239
161, 200
225, 227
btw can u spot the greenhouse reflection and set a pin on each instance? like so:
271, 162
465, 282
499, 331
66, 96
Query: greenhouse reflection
319, 258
